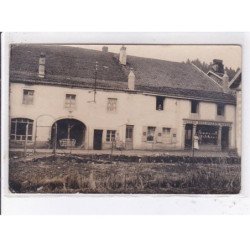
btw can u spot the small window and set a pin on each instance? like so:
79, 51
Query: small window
112, 104
160, 102
150, 133
110, 135
28, 96
194, 106
166, 131
70, 101
220, 109
20, 129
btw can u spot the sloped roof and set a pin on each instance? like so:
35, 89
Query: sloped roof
76, 66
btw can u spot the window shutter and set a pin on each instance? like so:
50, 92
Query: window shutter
159, 135
144, 134
174, 135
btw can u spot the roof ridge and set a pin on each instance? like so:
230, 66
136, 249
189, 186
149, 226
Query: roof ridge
155, 59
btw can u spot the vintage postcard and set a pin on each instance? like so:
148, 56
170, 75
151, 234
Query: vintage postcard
125, 119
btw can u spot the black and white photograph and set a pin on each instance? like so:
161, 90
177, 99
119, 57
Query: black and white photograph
125, 119
124, 125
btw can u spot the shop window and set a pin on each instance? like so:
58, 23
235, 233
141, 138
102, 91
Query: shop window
150, 133
28, 96
160, 103
112, 105
20, 129
194, 107
208, 135
220, 109
110, 135
70, 101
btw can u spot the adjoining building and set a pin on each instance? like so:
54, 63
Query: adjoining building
235, 85
91, 99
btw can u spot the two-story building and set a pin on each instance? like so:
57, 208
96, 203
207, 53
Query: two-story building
92, 99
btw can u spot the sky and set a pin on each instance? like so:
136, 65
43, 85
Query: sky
230, 54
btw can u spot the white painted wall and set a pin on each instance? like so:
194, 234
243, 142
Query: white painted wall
132, 109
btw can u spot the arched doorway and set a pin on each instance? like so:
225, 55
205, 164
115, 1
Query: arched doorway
68, 133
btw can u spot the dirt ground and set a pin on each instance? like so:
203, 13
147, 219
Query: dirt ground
81, 174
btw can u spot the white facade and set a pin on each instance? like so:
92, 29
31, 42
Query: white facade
136, 109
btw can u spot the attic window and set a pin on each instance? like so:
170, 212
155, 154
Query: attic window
194, 106
160, 103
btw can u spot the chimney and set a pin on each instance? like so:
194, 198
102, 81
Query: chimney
218, 66
225, 82
41, 67
123, 56
131, 80
105, 49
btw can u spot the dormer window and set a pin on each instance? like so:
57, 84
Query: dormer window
220, 109
194, 107
160, 103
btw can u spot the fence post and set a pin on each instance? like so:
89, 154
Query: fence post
55, 140
34, 149
26, 138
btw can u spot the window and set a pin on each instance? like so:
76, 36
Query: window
28, 96
20, 128
112, 104
160, 103
166, 131
129, 132
207, 134
110, 135
150, 133
194, 106
220, 109
70, 101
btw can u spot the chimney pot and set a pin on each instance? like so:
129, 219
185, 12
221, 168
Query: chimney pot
218, 66
131, 80
123, 56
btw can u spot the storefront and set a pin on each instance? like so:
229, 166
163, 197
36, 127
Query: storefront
212, 135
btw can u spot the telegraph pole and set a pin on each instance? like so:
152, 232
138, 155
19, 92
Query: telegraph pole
96, 68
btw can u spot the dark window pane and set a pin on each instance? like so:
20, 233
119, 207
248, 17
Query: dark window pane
159, 102
21, 129
194, 106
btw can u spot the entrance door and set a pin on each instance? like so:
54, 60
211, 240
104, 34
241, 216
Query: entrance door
98, 139
129, 136
188, 136
69, 133
225, 138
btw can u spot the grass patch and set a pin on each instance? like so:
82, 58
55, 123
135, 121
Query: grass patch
73, 174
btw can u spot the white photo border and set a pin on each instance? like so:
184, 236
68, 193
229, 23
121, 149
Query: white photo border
125, 203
